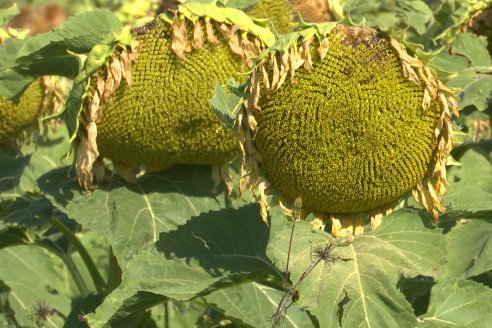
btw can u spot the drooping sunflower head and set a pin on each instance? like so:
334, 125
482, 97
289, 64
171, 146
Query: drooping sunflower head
151, 103
164, 116
15, 117
279, 12
350, 122
284, 13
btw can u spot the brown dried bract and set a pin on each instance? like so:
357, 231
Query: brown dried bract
179, 38
209, 29
89, 167
197, 42
221, 173
239, 42
429, 193
314, 11
55, 93
262, 186
87, 152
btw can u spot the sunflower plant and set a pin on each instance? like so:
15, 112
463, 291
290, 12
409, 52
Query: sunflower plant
242, 163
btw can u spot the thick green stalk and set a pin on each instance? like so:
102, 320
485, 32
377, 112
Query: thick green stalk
67, 260
91, 266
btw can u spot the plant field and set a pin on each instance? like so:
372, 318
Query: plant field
88, 240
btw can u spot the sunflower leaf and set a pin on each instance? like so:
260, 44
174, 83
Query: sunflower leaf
473, 82
12, 168
53, 53
198, 257
469, 257
459, 303
470, 185
34, 277
244, 5
474, 48
133, 216
225, 105
360, 288
253, 304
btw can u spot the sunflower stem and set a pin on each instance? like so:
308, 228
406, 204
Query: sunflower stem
72, 269
89, 263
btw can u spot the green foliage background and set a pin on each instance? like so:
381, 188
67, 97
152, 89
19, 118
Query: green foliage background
167, 252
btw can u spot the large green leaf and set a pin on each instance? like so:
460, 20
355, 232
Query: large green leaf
474, 87
53, 59
79, 306
14, 236
418, 14
210, 250
54, 53
46, 154
133, 306
12, 83
37, 156
360, 289
10, 174
20, 205
181, 314
132, 216
444, 62
459, 303
470, 249
474, 48
240, 4
372, 12
449, 18
470, 185
254, 304
16, 74
79, 34
413, 20
34, 276
473, 82
16, 208
25, 212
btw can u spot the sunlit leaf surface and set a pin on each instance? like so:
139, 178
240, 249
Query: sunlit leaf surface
360, 288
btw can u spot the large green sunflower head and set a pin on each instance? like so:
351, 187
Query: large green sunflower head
346, 119
150, 104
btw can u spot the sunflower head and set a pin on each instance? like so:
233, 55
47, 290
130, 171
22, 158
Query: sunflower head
279, 12
284, 13
15, 117
346, 119
164, 115
150, 103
